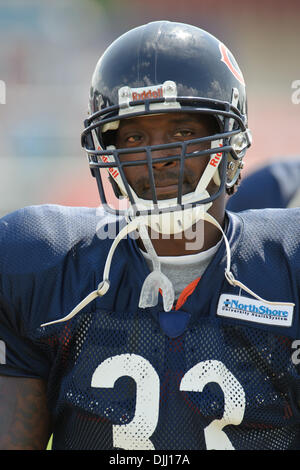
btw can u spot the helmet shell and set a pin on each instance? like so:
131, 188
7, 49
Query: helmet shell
199, 64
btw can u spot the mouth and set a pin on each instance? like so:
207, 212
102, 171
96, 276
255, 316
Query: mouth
166, 191
166, 186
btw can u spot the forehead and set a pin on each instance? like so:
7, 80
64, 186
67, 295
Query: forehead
165, 120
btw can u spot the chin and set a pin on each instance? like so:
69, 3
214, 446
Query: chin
162, 193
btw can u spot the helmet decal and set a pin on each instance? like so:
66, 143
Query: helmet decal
228, 60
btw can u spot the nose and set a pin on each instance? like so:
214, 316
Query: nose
163, 153
165, 164
159, 137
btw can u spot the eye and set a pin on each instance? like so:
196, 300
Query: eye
133, 139
129, 139
184, 133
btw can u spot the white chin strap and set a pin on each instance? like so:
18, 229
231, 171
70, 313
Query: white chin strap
170, 222
156, 281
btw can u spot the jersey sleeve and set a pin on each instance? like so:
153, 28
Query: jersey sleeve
21, 255
46, 254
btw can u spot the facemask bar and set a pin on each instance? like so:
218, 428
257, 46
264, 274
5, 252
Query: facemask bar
118, 165
109, 158
187, 104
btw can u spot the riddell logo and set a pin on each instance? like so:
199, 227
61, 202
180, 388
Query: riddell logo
114, 173
147, 94
216, 159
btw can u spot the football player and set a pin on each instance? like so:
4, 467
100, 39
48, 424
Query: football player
276, 184
160, 321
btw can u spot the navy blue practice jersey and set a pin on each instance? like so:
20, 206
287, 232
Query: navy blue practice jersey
219, 371
274, 185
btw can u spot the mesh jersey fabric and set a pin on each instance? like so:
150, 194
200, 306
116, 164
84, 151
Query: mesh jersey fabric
117, 376
276, 185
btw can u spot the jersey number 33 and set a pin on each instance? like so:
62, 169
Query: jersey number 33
136, 434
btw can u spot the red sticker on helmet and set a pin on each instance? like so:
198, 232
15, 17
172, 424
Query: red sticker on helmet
231, 64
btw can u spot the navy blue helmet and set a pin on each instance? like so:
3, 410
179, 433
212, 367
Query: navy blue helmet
167, 67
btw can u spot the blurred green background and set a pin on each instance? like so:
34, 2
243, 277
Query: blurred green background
49, 50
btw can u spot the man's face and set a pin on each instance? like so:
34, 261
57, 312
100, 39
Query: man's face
162, 129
